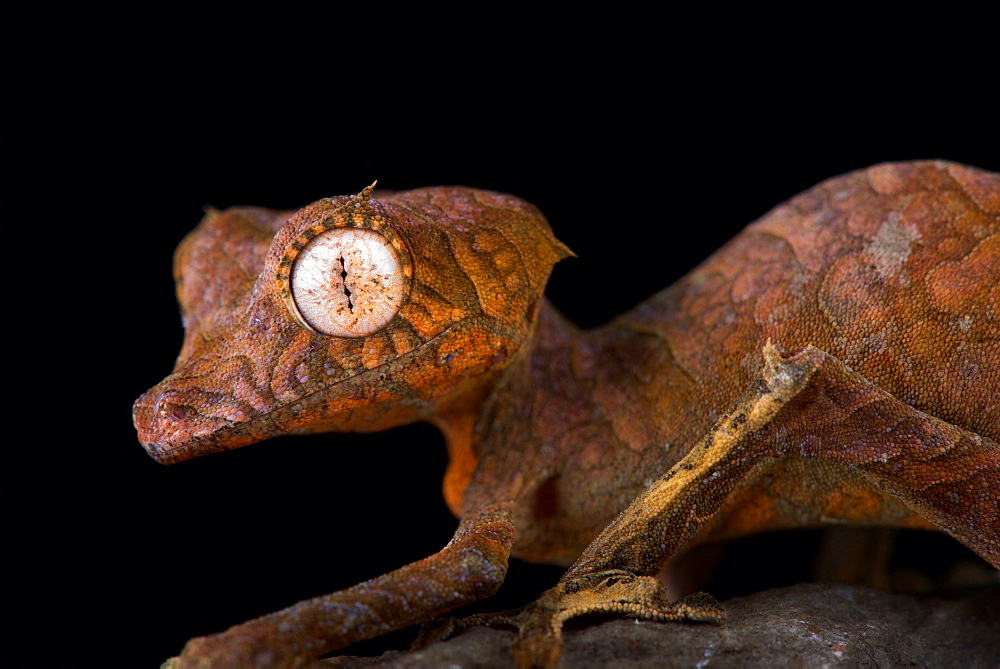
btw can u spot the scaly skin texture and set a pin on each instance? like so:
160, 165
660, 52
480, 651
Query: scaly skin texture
838, 361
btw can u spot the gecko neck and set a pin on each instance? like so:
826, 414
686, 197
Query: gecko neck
565, 417
463, 429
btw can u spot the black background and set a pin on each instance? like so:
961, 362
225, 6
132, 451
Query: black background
644, 157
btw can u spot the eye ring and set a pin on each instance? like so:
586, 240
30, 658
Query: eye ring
348, 282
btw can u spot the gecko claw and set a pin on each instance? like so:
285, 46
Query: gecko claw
433, 631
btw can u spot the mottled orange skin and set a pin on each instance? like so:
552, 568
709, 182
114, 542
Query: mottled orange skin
863, 315
857, 266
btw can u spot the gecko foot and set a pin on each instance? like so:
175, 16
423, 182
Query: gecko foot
613, 592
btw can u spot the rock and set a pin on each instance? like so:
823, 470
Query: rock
801, 625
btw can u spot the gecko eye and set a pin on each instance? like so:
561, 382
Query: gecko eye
348, 282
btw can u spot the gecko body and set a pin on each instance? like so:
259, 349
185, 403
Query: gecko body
838, 361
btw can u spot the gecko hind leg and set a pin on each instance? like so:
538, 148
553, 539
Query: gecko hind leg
811, 405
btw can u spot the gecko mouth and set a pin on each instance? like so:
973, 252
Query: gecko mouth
175, 425
177, 420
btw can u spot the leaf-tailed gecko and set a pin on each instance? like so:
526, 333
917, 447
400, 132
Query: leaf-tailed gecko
838, 361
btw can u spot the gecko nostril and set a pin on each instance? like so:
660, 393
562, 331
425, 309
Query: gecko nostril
167, 407
177, 411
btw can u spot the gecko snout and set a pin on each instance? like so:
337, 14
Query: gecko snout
175, 424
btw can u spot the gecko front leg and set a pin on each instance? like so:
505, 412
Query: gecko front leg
470, 567
809, 405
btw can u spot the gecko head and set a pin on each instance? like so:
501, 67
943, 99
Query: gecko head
365, 314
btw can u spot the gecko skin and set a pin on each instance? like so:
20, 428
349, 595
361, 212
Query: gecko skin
837, 361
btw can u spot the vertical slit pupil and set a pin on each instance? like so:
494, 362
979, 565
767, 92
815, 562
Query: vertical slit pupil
343, 276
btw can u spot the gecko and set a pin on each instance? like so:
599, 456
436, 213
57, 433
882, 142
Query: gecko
838, 361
